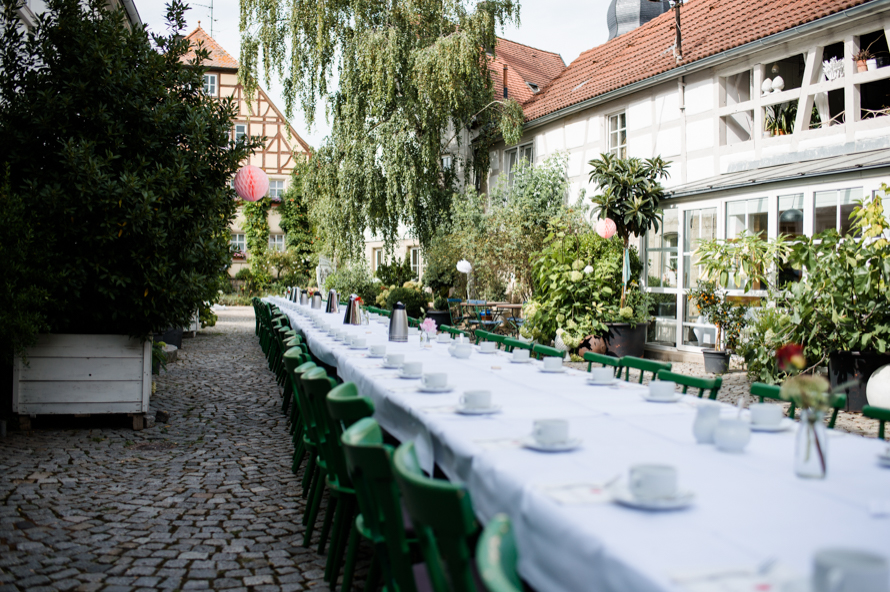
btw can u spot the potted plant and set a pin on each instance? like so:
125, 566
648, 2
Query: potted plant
863, 57
727, 316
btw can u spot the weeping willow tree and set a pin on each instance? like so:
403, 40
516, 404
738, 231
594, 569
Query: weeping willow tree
404, 82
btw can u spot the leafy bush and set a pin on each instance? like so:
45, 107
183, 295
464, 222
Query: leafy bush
440, 265
123, 165
767, 329
353, 278
395, 273
411, 296
440, 303
726, 315
234, 300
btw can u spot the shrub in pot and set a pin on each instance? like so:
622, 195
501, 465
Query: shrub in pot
727, 316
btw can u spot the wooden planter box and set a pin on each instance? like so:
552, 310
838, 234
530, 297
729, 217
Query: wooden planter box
84, 374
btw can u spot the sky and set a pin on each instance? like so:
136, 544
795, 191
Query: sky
567, 27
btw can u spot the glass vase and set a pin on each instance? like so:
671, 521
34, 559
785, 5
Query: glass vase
810, 456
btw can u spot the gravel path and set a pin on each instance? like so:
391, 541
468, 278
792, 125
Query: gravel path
206, 501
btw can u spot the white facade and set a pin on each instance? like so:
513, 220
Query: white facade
709, 121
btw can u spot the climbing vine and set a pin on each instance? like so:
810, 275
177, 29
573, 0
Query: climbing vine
299, 237
412, 85
256, 233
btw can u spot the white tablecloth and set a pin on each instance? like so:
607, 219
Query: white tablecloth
748, 507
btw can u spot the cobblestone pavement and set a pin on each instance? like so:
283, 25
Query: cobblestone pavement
206, 501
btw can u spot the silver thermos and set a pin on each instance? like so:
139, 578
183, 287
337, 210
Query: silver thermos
354, 312
304, 298
316, 300
333, 301
398, 323
294, 294
347, 318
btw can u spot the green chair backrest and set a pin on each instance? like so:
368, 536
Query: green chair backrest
711, 385
306, 414
839, 402
880, 413
496, 556
345, 407
643, 366
481, 335
453, 331
412, 322
497, 338
317, 385
443, 519
545, 351
369, 462
510, 344
603, 359
770, 391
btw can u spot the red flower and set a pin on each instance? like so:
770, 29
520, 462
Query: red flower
790, 356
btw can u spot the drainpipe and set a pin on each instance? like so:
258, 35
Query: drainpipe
681, 90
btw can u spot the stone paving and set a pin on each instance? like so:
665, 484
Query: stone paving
205, 501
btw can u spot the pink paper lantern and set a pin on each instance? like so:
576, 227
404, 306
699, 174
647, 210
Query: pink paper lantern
605, 227
251, 183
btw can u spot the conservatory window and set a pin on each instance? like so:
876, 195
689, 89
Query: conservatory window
832, 209
791, 214
750, 214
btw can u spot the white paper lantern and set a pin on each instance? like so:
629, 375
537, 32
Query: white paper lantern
877, 391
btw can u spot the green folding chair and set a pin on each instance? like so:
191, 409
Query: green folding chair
643, 366
880, 413
770, 391
510, 344
480, 335
442, 515
606, 361
496, 556
455, 311
709, 385
545, 351
454, 332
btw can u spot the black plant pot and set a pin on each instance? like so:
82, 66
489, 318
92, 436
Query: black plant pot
442, 317
716, 362
859, 366
170, 337
624, 339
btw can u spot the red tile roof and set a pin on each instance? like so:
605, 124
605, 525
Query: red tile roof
524, 64
219, 58
709, 27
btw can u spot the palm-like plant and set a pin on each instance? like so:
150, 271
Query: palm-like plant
630, 191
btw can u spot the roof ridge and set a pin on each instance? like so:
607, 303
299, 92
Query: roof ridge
557, 54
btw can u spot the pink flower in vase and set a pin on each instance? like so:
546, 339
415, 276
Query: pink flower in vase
428, 325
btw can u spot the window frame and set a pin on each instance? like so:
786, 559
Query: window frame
280, 190
213, 81
520, 151
277, 241
239, 134
416, 266
239, 241
619, 150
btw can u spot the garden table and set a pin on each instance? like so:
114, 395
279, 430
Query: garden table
748, 508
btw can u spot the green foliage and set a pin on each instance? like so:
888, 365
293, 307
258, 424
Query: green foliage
440, 303
723, 313
254, 284
747, 261
256, 236
396, 272
843, 302
353, 278
299, 235
440, 265
408, 73
118, 170
158, 356
769, 329
411, 296
206, 315
577, 288
290, 267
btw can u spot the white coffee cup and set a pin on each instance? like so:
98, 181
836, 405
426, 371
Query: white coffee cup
766, 414
348, 339
732, 435
395, 359
652, 481
413, 331
434, 380
520, 355
443, 338
551, 431
662, 389
359, 342
552, 363
412, 368
602, 375
488, 346
461, 350
377, 350
849, 570
476, 399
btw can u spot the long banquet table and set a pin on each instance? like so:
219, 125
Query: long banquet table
749, 508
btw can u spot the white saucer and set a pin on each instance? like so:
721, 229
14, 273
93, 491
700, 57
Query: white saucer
358, 347
884, 459
528, 361
370, 355
557, 371
391, 366
441, 389
785, 424
591, 382
674, 399
571, 444
409, 376
487, 353
622, 495
478, 410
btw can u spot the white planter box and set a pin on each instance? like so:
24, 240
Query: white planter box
83, 374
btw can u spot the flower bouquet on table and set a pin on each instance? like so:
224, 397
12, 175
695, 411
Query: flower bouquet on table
811, 394
427, 330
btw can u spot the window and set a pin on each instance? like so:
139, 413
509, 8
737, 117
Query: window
661, 265
276, 242
414, 254
240, 131
514, 156
446, 162
699, 225
832, 209
750, 215
276, 188
238, 243
377, 258
618, 135
791, 214
210, 84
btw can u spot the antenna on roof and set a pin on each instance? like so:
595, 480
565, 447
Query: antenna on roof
678, 47
212, 20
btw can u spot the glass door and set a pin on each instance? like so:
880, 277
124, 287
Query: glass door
662, 269
699, 224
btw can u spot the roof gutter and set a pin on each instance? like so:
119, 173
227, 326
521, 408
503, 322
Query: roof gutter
795, 177
865, 9
132, 13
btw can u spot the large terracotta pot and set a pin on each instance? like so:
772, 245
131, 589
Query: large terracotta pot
626, 340
846, 366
